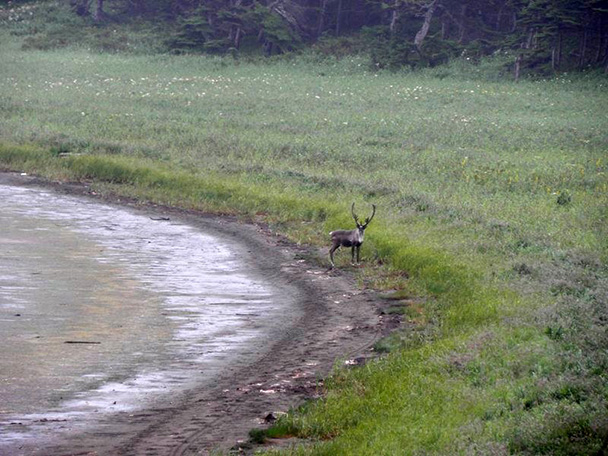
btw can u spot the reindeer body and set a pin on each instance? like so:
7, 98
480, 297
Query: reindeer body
350, 238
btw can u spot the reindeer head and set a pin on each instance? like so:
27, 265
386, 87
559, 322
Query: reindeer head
362, 226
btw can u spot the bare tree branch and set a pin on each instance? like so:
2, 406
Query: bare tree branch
428, 16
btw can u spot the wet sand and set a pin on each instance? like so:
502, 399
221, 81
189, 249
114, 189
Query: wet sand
146, 330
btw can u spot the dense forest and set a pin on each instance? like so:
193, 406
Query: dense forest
540, 36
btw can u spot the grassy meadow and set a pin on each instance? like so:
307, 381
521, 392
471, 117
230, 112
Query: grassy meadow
491, 231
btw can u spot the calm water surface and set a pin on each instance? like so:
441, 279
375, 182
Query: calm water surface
105, 309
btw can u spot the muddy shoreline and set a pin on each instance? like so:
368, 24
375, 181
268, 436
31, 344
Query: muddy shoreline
338, 322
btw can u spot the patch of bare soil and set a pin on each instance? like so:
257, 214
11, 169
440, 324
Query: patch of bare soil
339, 322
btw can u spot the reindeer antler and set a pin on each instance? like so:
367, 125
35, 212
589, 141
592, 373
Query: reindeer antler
352, 210
369, 219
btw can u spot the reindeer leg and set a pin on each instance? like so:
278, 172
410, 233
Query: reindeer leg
352, 255
331, 254
358, 252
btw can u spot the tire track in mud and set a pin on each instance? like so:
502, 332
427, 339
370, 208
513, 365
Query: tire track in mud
289, 374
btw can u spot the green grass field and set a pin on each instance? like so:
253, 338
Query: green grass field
492, 209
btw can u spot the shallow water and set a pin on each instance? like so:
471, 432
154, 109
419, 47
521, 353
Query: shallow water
105, 309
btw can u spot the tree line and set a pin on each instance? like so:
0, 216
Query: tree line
541, 36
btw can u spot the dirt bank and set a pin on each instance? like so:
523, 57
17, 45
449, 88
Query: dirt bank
337, 321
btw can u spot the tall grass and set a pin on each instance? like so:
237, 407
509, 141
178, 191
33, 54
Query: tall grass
492, 204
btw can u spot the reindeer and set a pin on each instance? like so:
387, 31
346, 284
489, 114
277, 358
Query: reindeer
350, 238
